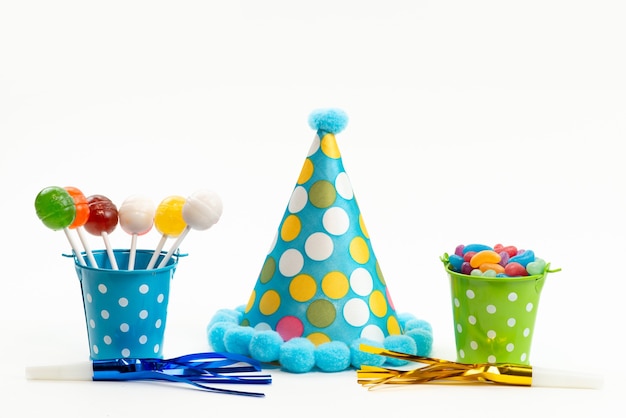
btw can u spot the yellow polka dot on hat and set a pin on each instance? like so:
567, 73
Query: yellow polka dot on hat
320, 291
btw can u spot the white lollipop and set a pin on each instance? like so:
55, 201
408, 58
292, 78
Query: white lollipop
201, 211
136, 218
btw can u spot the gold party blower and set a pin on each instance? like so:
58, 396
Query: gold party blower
438, 370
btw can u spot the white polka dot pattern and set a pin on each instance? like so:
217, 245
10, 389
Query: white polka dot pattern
494, 317
321, 279
125, 310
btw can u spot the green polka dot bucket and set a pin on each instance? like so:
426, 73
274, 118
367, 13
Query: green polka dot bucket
494, 317
125, 310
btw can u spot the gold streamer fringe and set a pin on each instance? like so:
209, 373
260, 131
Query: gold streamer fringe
441, 370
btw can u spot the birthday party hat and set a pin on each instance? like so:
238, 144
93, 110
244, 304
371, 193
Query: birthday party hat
320, 290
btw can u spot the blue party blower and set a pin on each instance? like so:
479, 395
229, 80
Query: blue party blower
197, 370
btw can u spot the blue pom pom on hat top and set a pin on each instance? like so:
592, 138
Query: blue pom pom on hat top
328, 120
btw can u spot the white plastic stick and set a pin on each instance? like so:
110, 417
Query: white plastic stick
565, 379
156, 253
85, 243
81, 260
76, 371
133, 251
175, 246
105, 237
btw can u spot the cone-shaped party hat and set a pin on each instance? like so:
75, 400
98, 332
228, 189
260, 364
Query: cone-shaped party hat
321, 286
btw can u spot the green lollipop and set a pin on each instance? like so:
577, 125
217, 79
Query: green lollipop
57, 210
55, 207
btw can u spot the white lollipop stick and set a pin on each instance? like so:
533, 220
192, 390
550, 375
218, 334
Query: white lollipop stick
133, 251
107, 244
81, 260
157, 251
174, 247
83, 240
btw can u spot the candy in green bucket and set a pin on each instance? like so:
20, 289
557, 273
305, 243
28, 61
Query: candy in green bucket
494, 317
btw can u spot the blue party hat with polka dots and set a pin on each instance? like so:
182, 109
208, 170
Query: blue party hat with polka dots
321, 291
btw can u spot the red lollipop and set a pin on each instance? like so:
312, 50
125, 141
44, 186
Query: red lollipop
103, 218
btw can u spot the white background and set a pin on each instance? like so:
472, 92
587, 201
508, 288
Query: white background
482, 121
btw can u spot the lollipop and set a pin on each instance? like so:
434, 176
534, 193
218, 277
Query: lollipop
136, 218
82, 215
201, 211
168, 220
103, 218
55, 207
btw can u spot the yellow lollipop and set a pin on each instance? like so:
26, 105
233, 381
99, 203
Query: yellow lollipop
169, 221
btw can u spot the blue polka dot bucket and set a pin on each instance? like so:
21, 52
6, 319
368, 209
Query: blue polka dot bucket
125, 310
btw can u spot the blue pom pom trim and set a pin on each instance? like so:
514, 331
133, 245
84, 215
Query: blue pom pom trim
328, 120
299, 355
333, 356
401, 344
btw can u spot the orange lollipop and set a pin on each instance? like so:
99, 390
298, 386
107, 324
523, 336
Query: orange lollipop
82, 215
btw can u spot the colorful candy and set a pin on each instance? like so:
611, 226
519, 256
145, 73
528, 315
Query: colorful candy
169, 221
201, 211
56, 209
491, 266
103, 218
81, 205
168, 218
68, 208
103, 215
136, 216
511, 250
536, 267
475, 248
523, 258
497, 261
82, 215
484, 256
456, 262
514, 269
